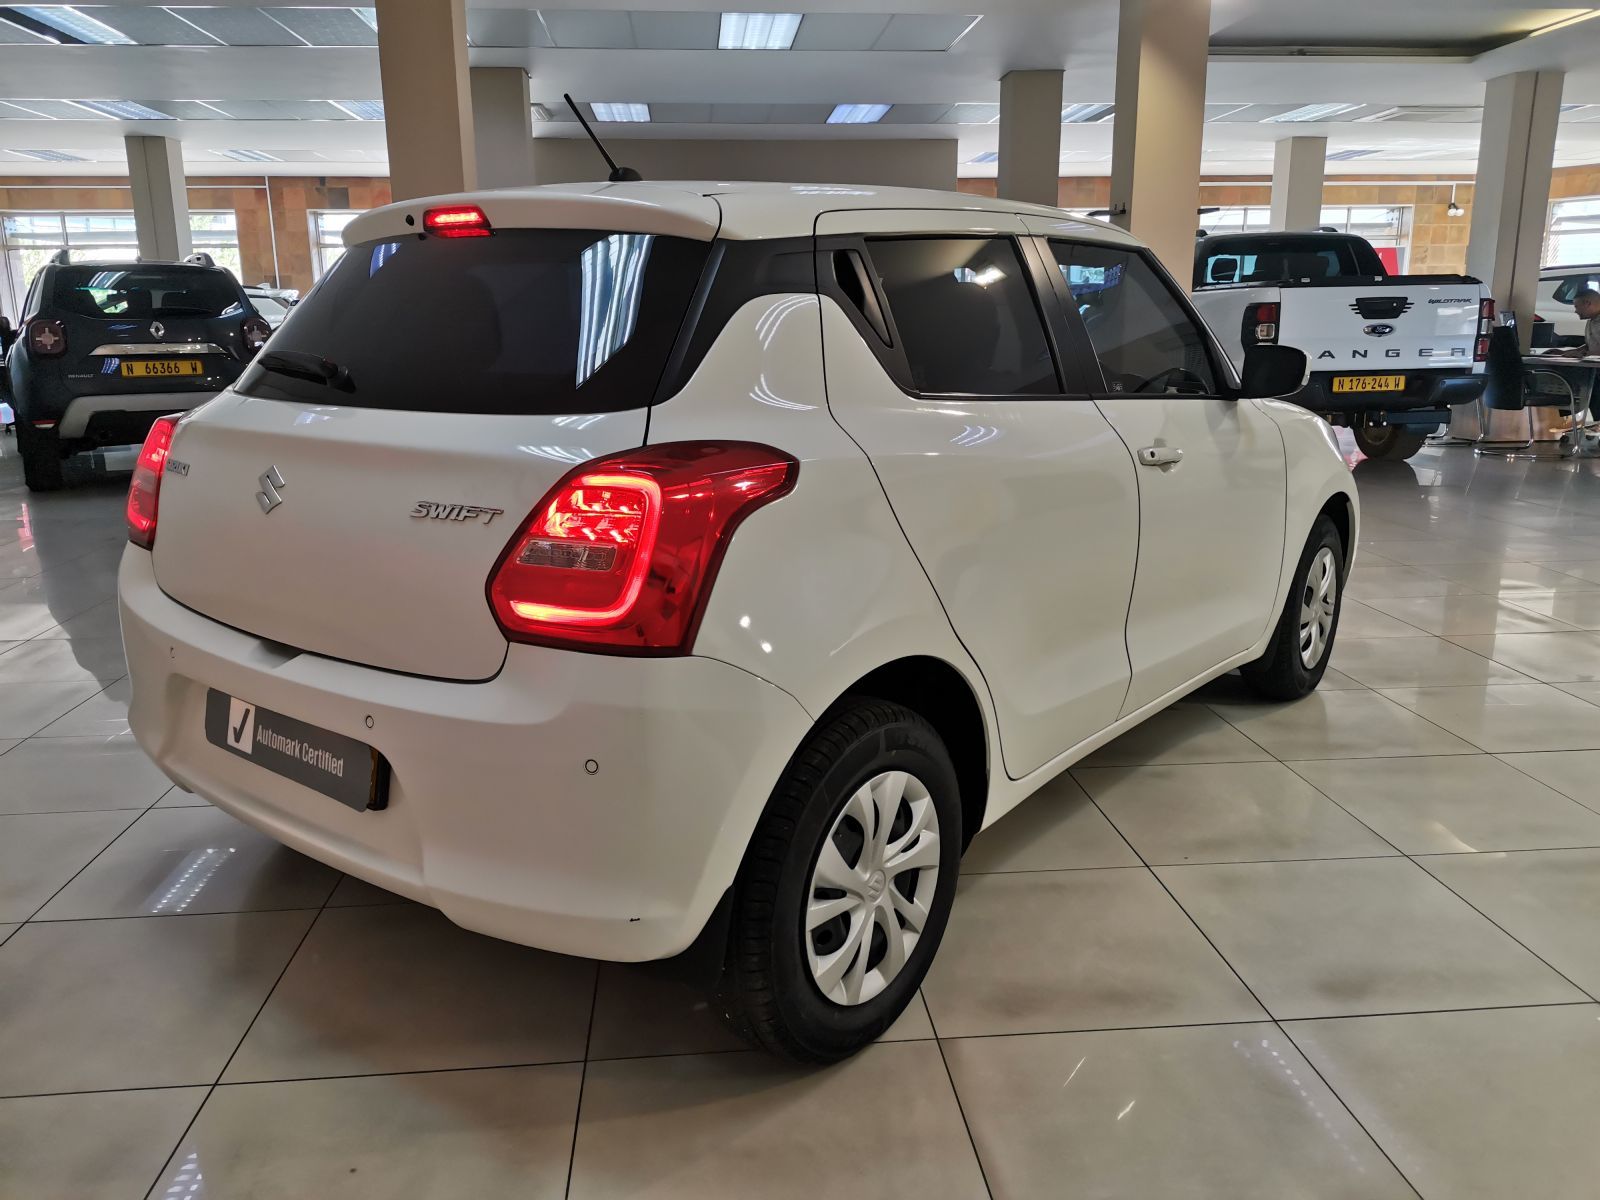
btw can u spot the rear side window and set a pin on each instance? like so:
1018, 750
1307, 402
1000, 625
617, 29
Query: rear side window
1570, 287
1146, 340
966, 315
143, 292
529, 321
1270, 260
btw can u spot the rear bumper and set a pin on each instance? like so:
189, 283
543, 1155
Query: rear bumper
107, 418
1422, 391
494, 814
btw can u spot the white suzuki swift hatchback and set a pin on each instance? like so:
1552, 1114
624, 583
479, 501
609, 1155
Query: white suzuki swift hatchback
626, 568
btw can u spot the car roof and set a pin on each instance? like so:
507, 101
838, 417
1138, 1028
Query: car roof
704, 209
101, 265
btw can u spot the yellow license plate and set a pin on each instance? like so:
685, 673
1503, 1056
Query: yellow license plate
1369, 383
145, 367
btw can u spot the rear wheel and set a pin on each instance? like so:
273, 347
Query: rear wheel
1298, 654
1388, 441
847, 884
41, 458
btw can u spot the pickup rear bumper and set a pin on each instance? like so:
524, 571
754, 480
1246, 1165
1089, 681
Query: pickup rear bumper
1433, 390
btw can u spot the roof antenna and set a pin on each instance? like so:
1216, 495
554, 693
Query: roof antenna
618, 174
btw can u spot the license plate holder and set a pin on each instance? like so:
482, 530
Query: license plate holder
1344, 384
339, 767
162, 368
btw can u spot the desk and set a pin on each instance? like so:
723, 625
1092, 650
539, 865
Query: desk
1554, 380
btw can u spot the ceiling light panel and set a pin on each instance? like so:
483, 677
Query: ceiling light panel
757, 31
922, 31
326, 26
1312, 112
620, 111
241, 26
50, 110
124, 110
361, 110
74, 23
49, 155
248, 155
151, 26
1085, 114
988, 156
1347, 155
857, 114
916, 114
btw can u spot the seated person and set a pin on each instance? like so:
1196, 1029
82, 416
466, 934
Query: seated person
1587, 305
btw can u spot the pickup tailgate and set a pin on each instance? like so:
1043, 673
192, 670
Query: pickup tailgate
1382, 326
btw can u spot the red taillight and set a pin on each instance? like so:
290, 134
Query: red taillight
145, 490
459, 220
47, 337
256, 332
620, 555
1260, 324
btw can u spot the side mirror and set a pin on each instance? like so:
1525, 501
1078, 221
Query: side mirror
1271, 371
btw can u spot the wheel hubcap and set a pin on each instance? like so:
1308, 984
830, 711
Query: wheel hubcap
1318, 601
872, 888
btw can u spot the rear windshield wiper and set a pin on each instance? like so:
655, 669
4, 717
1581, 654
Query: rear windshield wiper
311, 367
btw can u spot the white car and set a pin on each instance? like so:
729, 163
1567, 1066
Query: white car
1558, 287
622, 569
271, 306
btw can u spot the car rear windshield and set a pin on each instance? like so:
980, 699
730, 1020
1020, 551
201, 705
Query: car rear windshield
529, 321
1270, 260
145, 291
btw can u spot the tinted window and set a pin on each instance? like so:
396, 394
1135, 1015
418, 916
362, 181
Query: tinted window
525, 321
1271, 259
966, 315
143, 292
1567, 291
1145, 339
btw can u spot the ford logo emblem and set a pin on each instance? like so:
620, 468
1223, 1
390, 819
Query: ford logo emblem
1378, 330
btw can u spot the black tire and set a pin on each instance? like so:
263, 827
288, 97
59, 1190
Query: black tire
767, 992
41, 458
1281, 673
1391, 442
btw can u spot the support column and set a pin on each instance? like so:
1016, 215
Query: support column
1030, 136
1511, 202
1160, 118
427, 106
502, 124
160, 197
1298, 166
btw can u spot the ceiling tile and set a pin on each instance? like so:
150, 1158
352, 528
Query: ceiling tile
840, 31
741, 114
800, 114
915, 114
572, 29
16, 35
506, 27
676, 30
681, 114
922, 31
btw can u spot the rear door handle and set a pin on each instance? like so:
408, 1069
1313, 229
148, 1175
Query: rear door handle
1160, 456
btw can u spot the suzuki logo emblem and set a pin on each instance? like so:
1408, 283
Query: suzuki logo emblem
158, 330
269, 497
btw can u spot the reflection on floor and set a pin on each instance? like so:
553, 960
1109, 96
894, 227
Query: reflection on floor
1345, 948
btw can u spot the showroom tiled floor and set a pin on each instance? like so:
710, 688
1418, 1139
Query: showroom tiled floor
1344, 948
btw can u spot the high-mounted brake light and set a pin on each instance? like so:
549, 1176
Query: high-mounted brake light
621, 554
459, 220
144, 491
47, 337
1260, 324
